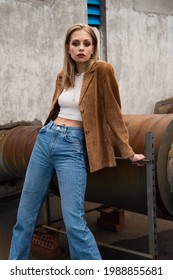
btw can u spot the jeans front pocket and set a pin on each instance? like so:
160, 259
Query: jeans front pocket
42, 129
74, 137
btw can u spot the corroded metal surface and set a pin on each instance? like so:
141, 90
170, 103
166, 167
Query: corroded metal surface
123, 186
16, 145
164, 106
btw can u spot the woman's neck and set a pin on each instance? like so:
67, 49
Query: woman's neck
81, 68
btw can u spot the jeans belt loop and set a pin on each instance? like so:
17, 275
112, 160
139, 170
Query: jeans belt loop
50, 124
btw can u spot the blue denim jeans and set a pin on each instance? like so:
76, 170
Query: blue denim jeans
62, 149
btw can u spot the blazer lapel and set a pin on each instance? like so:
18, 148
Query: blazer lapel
87, 80
58, 91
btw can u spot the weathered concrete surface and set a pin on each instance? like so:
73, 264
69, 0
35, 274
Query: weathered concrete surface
139, 45
164, 7
138, 42
31, 53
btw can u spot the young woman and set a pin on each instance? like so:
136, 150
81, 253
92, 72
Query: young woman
84, 116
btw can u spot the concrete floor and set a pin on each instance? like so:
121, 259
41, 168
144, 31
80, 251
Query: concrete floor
134, 236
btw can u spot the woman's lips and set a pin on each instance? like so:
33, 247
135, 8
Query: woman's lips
80, 55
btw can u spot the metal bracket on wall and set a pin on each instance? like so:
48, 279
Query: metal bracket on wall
151, 206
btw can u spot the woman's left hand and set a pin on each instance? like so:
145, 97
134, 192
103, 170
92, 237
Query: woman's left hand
137, 159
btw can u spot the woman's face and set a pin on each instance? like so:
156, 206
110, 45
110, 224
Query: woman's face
80, 46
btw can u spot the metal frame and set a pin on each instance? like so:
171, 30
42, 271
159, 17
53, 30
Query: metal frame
151, 206
151, 196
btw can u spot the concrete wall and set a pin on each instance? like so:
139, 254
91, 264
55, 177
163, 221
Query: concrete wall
139, 44
137, 38
31, 53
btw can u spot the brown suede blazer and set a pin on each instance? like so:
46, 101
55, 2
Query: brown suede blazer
101, 114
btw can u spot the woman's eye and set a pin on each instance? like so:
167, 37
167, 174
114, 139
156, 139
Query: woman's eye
87, 44
75, 44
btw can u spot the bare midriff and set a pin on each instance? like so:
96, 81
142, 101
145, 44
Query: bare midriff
67, 122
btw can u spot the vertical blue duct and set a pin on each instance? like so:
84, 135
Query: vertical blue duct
94, 12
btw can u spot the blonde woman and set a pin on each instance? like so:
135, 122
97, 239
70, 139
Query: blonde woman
75, 139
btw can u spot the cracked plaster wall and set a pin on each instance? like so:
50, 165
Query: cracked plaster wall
139, 45
31, 54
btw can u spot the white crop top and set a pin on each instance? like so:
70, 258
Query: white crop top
69, 101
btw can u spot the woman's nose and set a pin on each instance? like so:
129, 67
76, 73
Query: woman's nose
81, 47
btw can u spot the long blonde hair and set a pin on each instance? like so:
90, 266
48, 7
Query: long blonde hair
69, 66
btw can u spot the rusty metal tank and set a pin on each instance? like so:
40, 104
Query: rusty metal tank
164, 106
123, 186
16, 145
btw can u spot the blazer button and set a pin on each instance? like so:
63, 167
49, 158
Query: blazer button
82, 111
86, 131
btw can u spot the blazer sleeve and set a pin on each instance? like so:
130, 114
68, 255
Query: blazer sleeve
54, 105
112, 106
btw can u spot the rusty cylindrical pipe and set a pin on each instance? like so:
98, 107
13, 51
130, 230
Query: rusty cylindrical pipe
123, 186
16, 145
